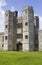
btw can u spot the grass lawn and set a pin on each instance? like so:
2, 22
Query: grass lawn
20, 58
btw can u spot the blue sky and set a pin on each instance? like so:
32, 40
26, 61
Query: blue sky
18, 5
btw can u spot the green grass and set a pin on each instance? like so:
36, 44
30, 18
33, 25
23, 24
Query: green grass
20, 58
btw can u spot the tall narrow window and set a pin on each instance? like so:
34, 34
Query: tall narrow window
2, 45
25, 11
26, 23
2, 38
26, 36
6, 37
6, 26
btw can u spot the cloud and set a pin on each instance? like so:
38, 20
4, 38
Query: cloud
19, 14
12, 8
2, 20
2, 3
2, 13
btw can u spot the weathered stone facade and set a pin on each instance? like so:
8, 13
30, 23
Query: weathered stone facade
20, 32
28, 28
36, 30
10, 30
1, 40
40, 40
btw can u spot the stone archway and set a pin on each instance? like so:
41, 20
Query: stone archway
19, 46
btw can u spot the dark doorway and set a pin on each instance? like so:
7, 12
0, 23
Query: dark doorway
19, 47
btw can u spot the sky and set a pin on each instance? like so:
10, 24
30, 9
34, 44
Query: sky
18, 5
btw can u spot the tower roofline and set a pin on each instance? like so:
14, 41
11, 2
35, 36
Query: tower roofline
27, 7
11, 11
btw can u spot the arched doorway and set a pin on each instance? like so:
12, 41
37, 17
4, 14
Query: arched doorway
19, 46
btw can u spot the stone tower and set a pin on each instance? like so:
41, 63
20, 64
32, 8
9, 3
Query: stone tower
28, 28
36, 30
10, 30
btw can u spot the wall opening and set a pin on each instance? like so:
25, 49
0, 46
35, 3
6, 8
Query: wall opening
19, 46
